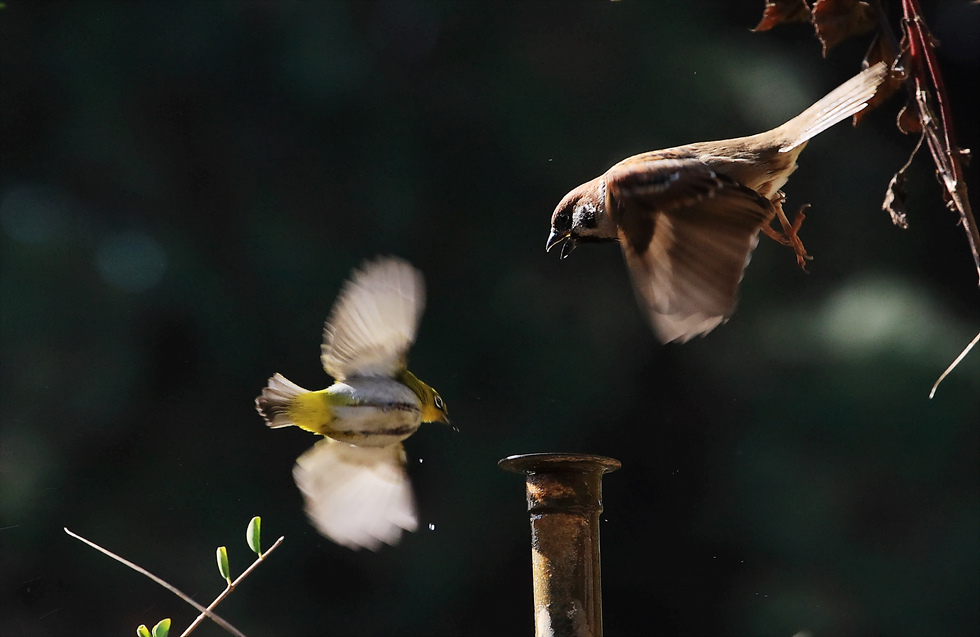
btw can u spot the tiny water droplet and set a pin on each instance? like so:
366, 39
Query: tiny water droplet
420, 460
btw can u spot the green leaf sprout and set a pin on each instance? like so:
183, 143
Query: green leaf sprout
162, 629
253, 535
223, 567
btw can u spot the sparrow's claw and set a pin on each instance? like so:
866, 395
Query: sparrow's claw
789, 236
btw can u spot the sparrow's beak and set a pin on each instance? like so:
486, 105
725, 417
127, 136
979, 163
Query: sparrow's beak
555, 238
570, 244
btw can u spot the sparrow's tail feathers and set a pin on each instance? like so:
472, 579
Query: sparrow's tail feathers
844, 101
276, 399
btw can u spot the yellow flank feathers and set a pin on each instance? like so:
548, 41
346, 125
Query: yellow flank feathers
312, 411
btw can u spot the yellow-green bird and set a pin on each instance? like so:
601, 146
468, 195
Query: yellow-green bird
354, 482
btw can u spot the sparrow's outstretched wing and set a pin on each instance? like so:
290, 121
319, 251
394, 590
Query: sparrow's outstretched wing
687, 233
357, 496
374, 321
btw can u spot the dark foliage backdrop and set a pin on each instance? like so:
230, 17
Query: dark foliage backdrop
185, 185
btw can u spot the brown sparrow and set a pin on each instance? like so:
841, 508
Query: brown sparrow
689, 217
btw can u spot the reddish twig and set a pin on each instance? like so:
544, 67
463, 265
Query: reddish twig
940, 134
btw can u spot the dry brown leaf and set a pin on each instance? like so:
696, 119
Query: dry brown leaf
882, 51
908, 120
837, 20
779, 11
895, 195
894, 203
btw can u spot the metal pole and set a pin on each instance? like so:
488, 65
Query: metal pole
564, 500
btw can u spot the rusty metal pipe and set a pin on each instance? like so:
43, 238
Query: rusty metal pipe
564, 500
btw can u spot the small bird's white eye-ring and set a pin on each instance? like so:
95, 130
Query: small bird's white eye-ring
439, 403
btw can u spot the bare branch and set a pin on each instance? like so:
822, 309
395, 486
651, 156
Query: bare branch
139, 569
966, 350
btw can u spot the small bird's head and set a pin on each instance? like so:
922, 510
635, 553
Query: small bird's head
581, 216
434, 408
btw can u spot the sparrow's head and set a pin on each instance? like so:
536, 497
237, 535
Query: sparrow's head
581, 216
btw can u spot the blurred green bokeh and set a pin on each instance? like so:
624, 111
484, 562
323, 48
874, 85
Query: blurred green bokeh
184, 186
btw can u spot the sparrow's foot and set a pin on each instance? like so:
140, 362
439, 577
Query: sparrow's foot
790, 234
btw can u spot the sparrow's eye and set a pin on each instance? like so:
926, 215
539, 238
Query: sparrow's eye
439, 403
562, 222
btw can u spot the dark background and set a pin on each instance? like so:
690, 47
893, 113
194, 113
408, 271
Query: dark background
185, 186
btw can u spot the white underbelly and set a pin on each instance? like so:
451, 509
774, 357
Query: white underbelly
388, 412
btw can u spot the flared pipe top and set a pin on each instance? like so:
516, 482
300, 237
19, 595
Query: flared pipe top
540, 462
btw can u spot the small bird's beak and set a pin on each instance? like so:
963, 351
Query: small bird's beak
554, 239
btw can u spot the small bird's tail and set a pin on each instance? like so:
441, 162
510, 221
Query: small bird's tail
847, 99
274, 402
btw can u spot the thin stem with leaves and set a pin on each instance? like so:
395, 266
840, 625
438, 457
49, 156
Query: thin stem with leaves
231, 586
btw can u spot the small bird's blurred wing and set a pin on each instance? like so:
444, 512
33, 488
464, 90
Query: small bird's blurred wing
688, 234
357, 496
374, 321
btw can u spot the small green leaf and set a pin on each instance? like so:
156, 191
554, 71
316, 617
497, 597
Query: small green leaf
253, 535
143, 631
162, 629
223, 567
